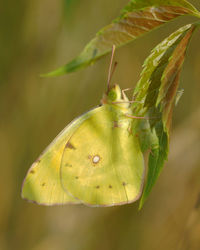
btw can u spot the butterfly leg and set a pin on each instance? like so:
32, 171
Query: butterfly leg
141, 117
123, 93
136, 117
126, 102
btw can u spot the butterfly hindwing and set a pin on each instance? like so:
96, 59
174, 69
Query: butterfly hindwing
102, 164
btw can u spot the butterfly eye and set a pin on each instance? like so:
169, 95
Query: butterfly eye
112, 95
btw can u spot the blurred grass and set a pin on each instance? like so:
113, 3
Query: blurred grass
35, 37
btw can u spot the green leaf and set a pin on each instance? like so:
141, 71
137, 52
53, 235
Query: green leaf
156, 90
147, 89
170, 79
157, 157
141, 4
138, 17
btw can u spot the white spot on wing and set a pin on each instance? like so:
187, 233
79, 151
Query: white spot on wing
96, 159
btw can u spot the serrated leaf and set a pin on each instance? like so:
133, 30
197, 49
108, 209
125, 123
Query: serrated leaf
156, 90
147, 89
138, 18
170, 79
140, 4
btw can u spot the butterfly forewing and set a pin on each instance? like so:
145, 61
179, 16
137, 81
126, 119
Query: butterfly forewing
42, 183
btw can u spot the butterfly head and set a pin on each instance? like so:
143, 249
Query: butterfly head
114, 96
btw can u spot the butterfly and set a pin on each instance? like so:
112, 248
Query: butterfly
96, 160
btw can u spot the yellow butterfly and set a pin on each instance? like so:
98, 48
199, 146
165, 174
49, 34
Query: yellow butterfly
95, 160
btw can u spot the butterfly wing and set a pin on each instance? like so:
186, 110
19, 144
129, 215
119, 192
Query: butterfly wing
102, 164
42, 182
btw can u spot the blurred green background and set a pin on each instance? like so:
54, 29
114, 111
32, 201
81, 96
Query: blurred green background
37, 37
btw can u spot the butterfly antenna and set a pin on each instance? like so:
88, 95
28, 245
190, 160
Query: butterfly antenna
111, 71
